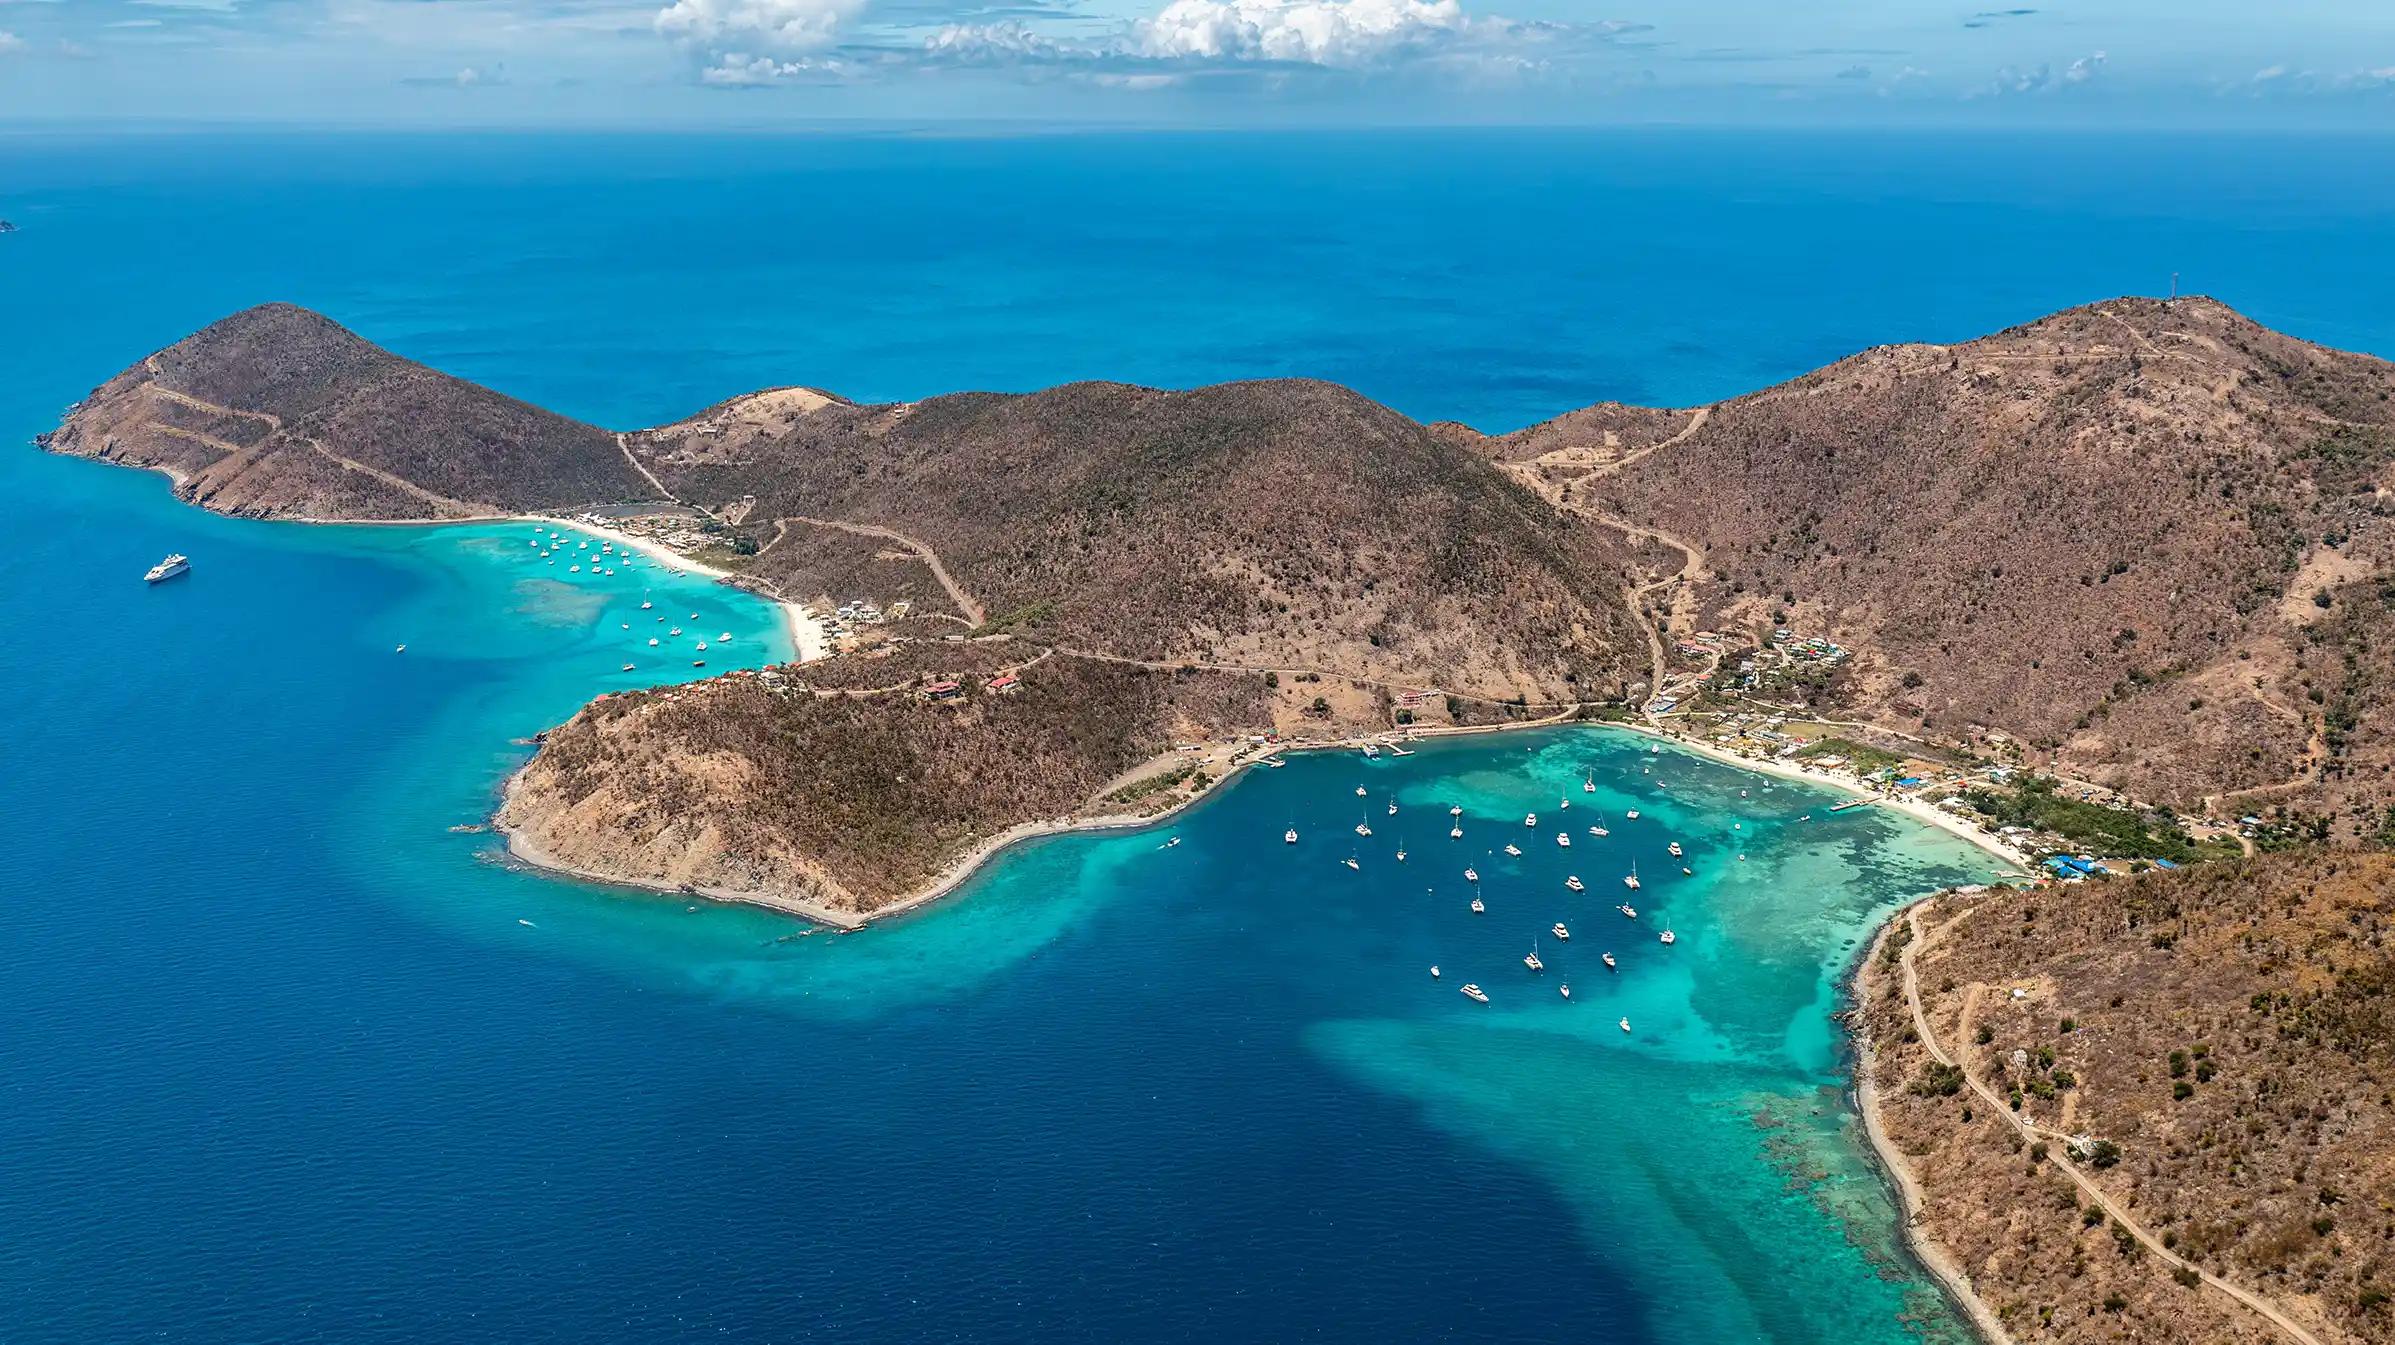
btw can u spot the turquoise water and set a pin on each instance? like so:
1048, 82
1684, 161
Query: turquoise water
287, 1058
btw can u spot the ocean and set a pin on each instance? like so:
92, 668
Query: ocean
289, 1058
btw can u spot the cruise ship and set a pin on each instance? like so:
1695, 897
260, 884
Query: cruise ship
173, 565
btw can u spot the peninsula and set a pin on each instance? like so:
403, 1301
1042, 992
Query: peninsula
2121, 579
2141, 547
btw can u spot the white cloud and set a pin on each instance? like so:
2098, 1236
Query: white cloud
745, 70
1310, 32
741, 27
10, 43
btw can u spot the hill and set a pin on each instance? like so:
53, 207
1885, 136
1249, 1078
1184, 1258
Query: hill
2114, 1090
1270, 524
2148, 538
279, 412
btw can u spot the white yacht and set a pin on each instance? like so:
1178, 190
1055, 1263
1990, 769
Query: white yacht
1392, 807
1360, 791
1456, 811
1512, 849
1434, 971
1625, 1025
652, 642
1560, 932
1478, 906
1610, 964
1628, 911
1471, 875
1600, 831
1564, 839
1289, 836
1575, 884
1475, 993
1530, 959
1350, 862
1566, 990
1675, 849
645, 604
1530, 819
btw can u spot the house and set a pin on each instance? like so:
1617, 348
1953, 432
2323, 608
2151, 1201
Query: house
1002, 684
941, 691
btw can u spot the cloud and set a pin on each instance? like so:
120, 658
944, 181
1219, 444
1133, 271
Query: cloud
740, 70
2011, 80
10, 43
1345, 33
742, 27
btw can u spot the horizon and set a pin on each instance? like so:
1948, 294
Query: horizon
1188, 64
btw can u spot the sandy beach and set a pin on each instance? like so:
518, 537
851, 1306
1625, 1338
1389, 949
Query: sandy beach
808, 639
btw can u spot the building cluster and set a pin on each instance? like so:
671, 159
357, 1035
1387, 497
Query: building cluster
852, 615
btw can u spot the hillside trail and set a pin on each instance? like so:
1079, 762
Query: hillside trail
2001, 1107
460, 509
965, 603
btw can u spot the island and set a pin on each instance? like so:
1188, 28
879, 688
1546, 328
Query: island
2112, 592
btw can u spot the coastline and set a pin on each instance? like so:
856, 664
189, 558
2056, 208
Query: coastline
1911, 1200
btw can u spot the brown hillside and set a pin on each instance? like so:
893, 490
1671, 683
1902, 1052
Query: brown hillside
1285, 523
277, 411
2105, 532
2215, 1049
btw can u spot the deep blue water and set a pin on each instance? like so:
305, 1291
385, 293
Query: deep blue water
280, 1061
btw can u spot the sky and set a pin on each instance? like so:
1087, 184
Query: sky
658, 64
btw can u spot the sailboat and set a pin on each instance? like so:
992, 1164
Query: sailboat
1290, 836
1610, 964
1350, 861
1670, 938
1566, 989
1478, 906
1360, 791
1589, 785
1471, 875
1628, 911
1630, 880
1632, 814
1392, 807
1530, 959
1625, 1025
1455, 833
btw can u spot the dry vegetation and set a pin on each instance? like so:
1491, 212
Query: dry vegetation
1276, 524
850, 801
2104, 532
277, 411
2222, 1043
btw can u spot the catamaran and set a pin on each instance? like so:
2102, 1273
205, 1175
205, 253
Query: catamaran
1455, 833
1632, 814
1471, 875
1360, 791
1630, 880
1530, 959
1669, 937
